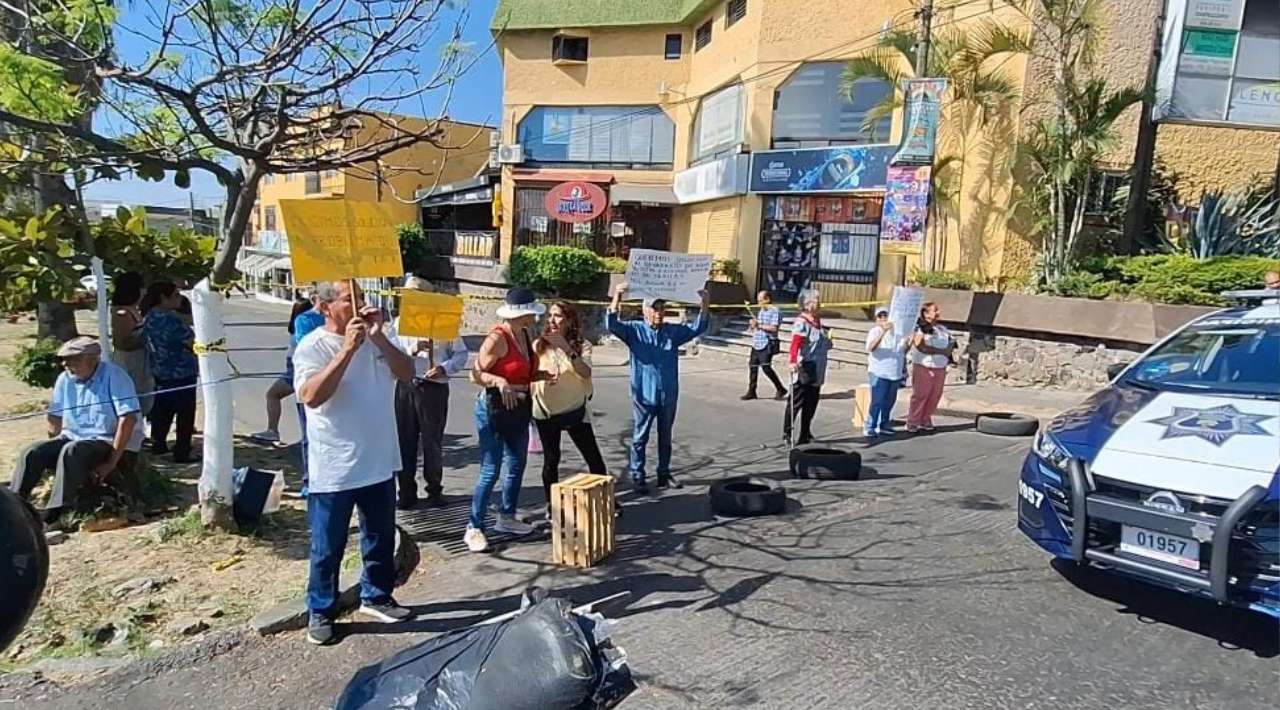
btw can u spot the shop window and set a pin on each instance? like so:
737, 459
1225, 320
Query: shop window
806, 240
810, 110
736, 10
566, 48
719, 126
269, 218
674, 47
702, 37
602, 136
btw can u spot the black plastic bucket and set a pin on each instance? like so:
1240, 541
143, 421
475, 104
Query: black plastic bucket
252, 497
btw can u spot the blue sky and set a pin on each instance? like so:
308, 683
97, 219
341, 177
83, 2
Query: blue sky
477, 97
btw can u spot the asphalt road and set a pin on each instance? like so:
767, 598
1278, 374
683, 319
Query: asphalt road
909, 588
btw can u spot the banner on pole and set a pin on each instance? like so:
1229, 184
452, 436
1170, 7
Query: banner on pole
429, 315
924, 108
667, 275
332, 239
906, 210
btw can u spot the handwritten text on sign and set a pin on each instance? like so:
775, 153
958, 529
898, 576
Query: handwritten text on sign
666, 275
341, 239
904, 309
429, 315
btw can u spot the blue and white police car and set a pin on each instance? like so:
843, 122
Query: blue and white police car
1172, 473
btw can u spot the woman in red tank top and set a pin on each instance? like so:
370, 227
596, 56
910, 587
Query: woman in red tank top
505, 367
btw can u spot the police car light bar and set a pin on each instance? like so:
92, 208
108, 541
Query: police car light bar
1257, 294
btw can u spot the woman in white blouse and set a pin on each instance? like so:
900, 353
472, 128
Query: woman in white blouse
931, 355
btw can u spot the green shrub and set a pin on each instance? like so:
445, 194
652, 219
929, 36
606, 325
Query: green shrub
553, 269
1085, 284
613, 264
727, 270
957, 280
415, 248
1178, 294
37, 364
1172, 278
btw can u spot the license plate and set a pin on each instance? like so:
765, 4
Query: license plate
1173, 549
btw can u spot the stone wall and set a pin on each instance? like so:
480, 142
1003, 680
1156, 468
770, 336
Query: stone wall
1033, 360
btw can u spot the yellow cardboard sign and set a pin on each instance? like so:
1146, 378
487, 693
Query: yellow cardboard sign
332, 239
429, 315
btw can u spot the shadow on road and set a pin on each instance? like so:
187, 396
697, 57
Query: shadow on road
1231, 627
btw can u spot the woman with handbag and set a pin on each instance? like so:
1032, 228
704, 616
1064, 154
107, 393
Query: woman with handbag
561, 405
505, 367
807, 361
932, 354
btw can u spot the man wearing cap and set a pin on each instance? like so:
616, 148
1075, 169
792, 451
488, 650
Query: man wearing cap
93, 424
422, 407
655, 378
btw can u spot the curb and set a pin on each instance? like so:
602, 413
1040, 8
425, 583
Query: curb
292, 615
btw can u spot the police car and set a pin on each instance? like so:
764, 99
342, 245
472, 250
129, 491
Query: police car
1172, 473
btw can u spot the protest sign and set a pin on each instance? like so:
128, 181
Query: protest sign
429, 315
340, 239
667, 275
904, 309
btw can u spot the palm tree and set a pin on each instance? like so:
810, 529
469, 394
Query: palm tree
980, 91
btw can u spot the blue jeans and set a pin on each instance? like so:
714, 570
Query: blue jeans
302, 443
645, 415
884, 394
330, 515
498, 450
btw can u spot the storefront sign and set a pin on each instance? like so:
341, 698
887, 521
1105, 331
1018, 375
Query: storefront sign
850, 168
1208, 52
667, 275
575, 202
719, 178
906, 210
1215, 14
1255, 102
924, 106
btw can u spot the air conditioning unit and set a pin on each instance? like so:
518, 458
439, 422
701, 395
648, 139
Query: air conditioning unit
494, 139
511, 154
493, 163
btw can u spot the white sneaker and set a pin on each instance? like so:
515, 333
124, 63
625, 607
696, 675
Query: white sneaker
475, 539
509, 524
266, 435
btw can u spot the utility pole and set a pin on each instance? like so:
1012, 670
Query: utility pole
922, 45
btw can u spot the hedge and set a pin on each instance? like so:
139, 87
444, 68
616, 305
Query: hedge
553, 269
1165, 278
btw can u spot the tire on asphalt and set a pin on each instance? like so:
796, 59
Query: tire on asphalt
747, 495
1006, 424
825, 463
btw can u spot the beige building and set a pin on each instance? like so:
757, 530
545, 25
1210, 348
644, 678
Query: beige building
680, 111
395, 181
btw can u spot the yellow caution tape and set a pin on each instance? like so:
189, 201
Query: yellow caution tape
217, 346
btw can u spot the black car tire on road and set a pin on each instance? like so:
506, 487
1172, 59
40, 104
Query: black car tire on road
1006, 424
747, 495
825, 463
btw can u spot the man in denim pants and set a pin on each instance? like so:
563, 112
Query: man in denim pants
345, 373
655, 378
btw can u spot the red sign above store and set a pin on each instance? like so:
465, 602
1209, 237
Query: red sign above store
575, 202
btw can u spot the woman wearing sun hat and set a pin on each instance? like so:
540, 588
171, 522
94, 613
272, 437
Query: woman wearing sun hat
505, 367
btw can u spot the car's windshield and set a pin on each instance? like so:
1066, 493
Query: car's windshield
1231, 357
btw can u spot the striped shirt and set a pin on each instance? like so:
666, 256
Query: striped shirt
767, 315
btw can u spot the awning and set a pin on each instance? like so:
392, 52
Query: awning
463, 197
652, 194
284, 263
251, 264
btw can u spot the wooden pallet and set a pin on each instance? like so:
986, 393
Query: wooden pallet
582, 514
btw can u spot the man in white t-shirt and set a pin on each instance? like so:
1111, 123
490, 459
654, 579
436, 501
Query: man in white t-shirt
886, 368
345, 373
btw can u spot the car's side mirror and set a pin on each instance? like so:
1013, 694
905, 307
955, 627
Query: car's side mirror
1115, 368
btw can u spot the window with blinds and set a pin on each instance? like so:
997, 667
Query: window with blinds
736, 10
702, 37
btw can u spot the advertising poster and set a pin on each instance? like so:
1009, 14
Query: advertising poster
906, 210
1215, 14
924, 107
838, 169
1208, 52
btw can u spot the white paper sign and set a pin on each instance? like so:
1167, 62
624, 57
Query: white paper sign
667, 275
904, 309
1215, 14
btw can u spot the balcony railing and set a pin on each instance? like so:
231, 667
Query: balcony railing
480, 245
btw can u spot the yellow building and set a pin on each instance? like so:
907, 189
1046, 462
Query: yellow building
396, 180
681, 111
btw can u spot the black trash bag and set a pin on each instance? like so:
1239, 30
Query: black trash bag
24, 564
540, 659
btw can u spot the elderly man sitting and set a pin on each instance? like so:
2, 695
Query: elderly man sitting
93, 424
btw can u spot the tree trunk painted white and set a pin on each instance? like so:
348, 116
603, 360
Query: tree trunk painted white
104, 308
216, 486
